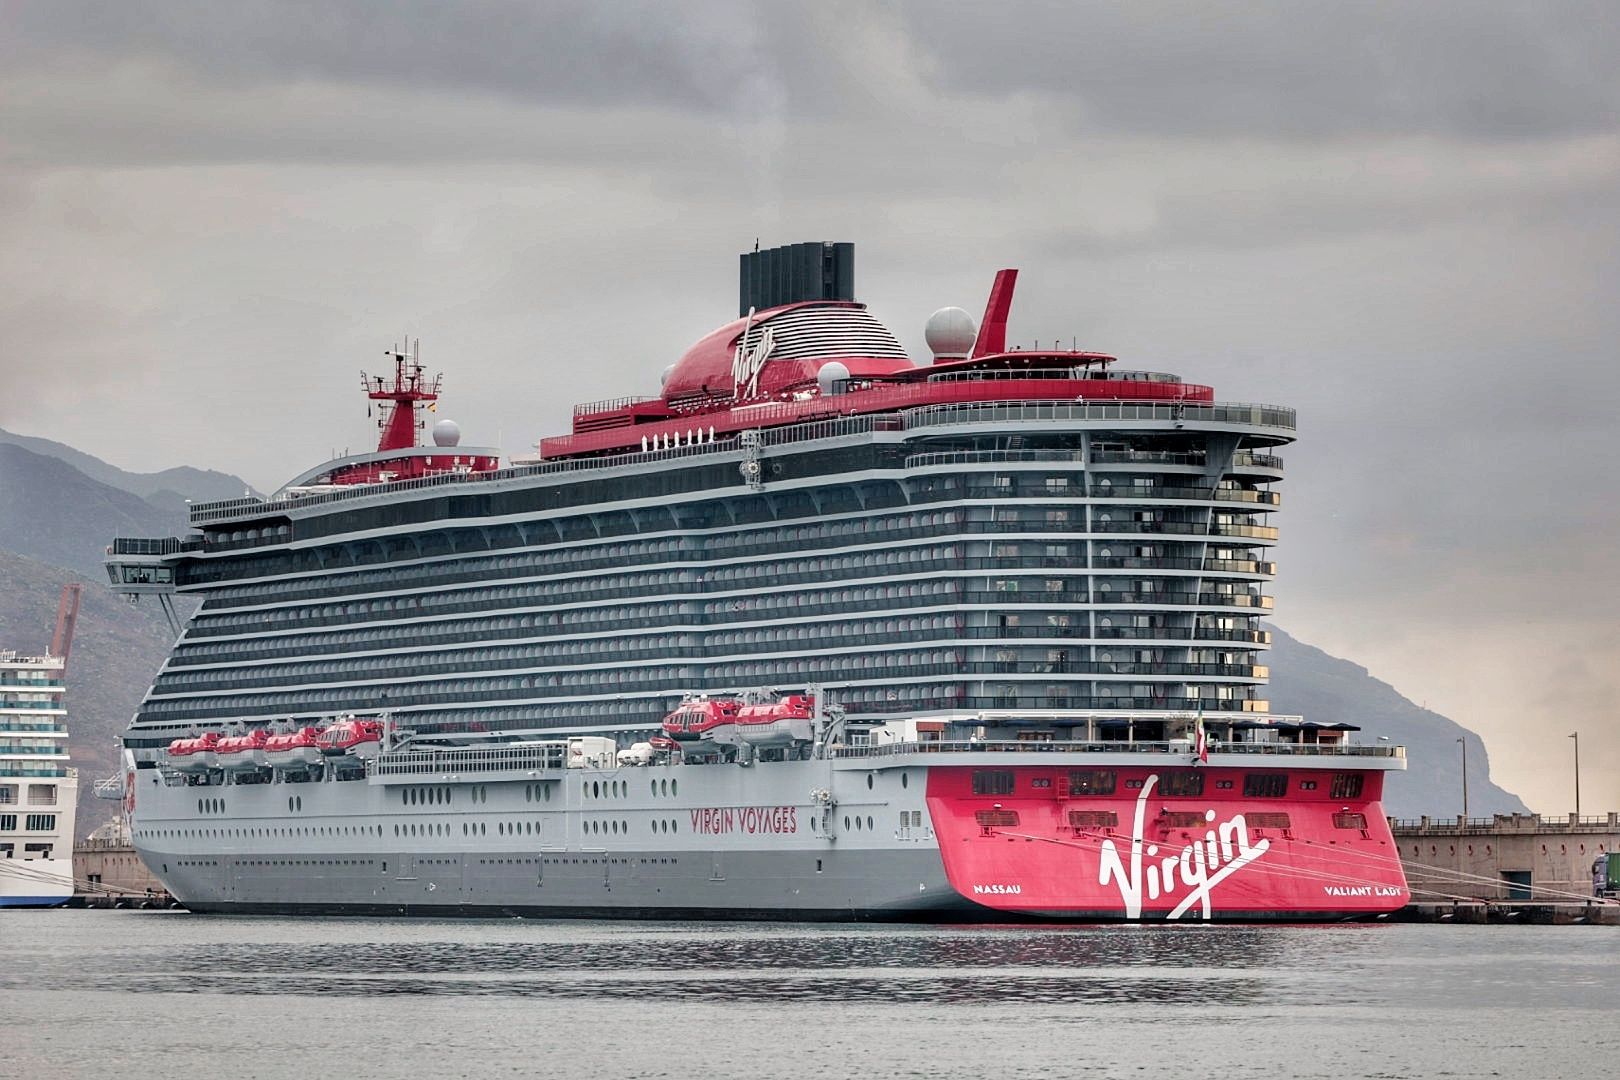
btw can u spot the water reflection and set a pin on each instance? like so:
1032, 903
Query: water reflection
861, 989
689, 962
709, 947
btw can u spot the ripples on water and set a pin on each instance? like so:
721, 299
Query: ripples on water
86, 993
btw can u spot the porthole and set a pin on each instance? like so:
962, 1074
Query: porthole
674, 787
868, 781
846, 821
869, 824
904, 780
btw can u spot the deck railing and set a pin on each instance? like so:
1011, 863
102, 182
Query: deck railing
1179, 747
1266, 416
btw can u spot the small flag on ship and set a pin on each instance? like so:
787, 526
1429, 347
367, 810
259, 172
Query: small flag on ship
1201, 739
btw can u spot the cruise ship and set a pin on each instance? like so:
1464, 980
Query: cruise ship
38, 788
817, 631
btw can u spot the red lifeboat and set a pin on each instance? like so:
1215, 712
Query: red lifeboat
785, 721
295, 750
194, 755
700, 718
242, 752
351, 736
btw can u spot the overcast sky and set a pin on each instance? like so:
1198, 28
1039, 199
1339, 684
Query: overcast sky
1402, 219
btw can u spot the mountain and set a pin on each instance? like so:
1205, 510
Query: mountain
117, 649
52, 512
168, 489
1307, 681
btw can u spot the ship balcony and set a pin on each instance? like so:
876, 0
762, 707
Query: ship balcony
1215, 566
1184, 633
1154, 493
10, 725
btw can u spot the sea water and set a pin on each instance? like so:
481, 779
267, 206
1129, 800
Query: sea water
168, 994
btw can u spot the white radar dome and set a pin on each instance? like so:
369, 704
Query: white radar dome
831, 372
950, 334
446, 433
663, 376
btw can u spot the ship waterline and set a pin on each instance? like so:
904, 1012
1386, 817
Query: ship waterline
1021, 590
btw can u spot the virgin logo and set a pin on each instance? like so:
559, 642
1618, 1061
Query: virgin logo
746, 365
1193, 871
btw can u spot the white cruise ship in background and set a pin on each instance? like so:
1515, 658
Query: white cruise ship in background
38, 788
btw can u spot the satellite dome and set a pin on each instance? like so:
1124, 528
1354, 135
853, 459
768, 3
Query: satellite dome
950, 334
446, 433
663, 376
831, 372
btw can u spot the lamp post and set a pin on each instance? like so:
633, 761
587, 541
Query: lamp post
1464, 744
1577, 737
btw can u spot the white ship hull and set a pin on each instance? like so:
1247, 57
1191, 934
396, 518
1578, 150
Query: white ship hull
36, 882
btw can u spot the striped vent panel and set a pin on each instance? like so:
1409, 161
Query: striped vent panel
818, 332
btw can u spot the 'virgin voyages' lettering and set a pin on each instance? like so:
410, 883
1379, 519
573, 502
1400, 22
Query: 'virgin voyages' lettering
720, 820
1198, 867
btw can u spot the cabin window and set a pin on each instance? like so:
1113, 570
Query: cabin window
1346, 785
1267, 821
992, 782
1182, 819
1265, 786
1187, 783
1091, 781
1093, 819
991, 818
1348, 820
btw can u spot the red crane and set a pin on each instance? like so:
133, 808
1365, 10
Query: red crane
67, 614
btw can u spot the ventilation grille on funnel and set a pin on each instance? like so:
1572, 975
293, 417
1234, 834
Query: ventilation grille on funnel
822, 332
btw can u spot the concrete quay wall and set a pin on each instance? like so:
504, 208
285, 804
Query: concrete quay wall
1506, 857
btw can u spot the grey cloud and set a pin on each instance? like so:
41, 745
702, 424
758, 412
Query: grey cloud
1301, 70
564, 52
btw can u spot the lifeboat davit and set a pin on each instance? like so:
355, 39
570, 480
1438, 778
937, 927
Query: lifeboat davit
241, 753
351, 737
194, 755
295, 750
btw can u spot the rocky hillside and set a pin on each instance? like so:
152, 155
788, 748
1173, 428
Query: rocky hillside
1307, 681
